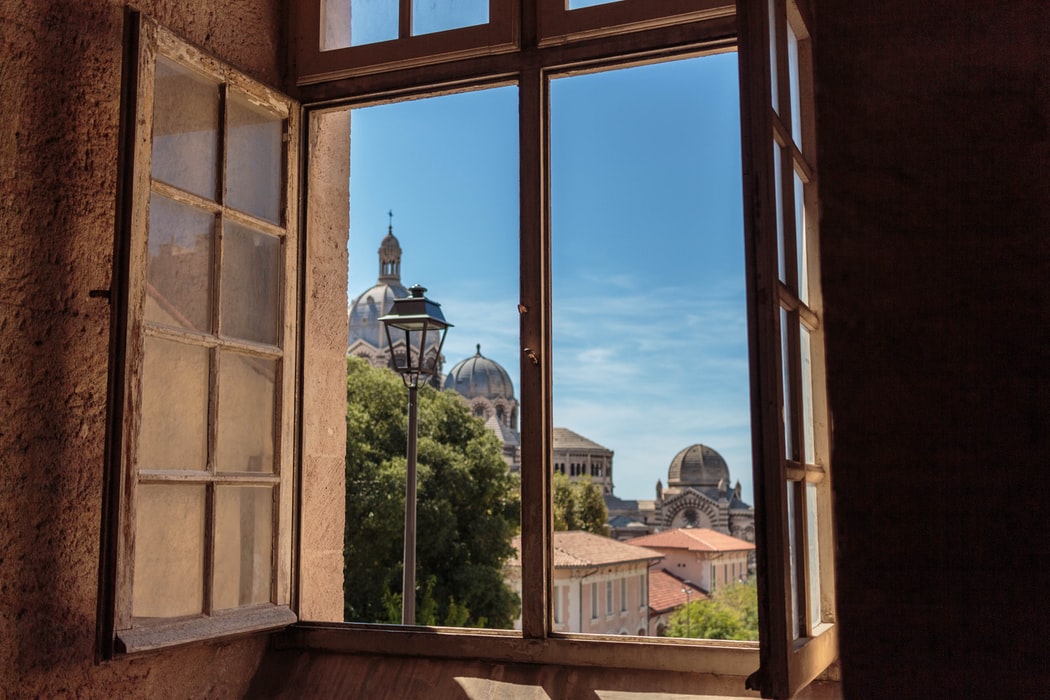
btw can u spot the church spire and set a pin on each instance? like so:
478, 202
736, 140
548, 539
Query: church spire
390, 255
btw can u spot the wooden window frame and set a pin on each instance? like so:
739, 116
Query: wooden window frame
118, 631
315, 64
554, 42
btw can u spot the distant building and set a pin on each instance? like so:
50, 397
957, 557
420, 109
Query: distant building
367, 338
489, 393
601, 586
575, 456
709, 560
698, 495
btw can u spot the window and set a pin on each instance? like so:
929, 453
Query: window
609, 597
557, 605
623, 595
643, 591
789, 418
201, 534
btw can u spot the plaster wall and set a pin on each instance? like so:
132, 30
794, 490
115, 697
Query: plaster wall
934, 145
60, 76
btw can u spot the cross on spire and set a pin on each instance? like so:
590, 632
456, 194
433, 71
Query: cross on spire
390, 225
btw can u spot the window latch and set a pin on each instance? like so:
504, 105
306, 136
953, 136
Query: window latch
532, 356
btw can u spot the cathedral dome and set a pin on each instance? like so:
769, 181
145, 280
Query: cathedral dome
366, 309
478, 376
697, 465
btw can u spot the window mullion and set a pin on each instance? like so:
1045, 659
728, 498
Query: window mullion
535, 327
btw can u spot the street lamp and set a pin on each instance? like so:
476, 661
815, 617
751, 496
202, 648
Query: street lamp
688, 590
415, 324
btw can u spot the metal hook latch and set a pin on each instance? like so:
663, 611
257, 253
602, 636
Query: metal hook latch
532, 356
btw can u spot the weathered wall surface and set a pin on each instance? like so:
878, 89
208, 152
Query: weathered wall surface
934, 153
60, 67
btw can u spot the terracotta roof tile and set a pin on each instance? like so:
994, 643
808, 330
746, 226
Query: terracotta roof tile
695, 540
665, 591
574, 549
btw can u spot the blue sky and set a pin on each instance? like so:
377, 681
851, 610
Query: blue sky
650, 346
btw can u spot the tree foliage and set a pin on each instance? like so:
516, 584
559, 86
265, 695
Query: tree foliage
730, 613
578, 505
464, 514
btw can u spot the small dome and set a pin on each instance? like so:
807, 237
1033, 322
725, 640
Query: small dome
479, 376
697, 465
366, 309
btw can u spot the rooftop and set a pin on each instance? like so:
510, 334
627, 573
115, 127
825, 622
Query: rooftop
565, 439
575, 548
666, 591
700, 539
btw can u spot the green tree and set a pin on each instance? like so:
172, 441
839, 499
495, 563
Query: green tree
464, 514
578, 505
730, 613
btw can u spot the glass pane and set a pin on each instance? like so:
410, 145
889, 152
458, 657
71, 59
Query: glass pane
801, 254
244, 440
169, 550
373, 21
796, 111
792, 490
790, 448
577, 4
250, 285
774, 78
438, 15
243, 545
813, 555
254, 160
648, 284
178, 291
185, 129
807, 397
453, 163
778, 195
173, 432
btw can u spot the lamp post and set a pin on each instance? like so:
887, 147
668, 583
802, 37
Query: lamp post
688, 590
413, 323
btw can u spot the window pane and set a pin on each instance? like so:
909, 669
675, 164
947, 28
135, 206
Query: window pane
178, 291
438, 15
185, 129
796, 111
169, 550
254, 160
813, 555
244, 440
451, 162
778, 195
577, 4
801, 254
790, 447
372, 21
648, 286
250, 285
243, 551
792, 490
807, 397
774, 77
173, 431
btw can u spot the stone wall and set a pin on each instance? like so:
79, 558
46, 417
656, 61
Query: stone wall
60, 74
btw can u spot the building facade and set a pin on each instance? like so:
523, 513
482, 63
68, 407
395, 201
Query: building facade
489, 393
601, 586
575, 456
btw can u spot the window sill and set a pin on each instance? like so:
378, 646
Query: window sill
186, 630
728, 658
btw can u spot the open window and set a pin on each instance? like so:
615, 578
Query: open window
536, 42
199, 509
